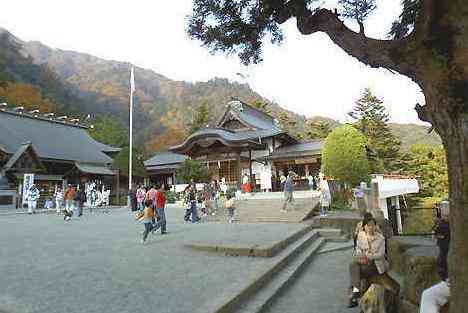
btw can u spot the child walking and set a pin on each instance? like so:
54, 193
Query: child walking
148, 216
230, 207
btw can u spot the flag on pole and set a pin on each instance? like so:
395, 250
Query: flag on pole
132, 81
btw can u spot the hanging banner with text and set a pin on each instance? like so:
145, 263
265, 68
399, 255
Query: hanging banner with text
28, 180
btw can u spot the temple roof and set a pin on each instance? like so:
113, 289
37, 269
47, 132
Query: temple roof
249, 116
226, 137
302, 149
51, 139
164, 158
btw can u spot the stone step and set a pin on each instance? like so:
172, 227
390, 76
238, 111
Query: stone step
230, 300
330, 232
252, 250
267, 295
334, 246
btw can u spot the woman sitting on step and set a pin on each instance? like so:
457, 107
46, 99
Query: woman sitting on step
369, 262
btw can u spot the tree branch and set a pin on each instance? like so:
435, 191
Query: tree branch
390, 54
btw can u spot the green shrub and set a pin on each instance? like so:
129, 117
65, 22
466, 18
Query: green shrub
172, 197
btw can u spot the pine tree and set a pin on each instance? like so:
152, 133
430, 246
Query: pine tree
371, 118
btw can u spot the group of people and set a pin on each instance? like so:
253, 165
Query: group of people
208, 200
370, 261
151, 204
287, 183
70, 202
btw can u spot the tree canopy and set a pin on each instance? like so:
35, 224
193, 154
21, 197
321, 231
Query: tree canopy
200, 118
192, 169
109, 131
371, 119
344, 156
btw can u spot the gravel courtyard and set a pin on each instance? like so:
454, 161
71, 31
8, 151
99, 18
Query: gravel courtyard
97, 264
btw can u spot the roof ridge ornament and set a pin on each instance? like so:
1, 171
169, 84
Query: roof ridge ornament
236, 105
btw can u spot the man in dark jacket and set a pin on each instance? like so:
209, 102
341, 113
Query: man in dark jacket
433, 298
80, 200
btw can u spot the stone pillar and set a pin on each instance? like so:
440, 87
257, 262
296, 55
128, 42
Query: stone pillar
398, 215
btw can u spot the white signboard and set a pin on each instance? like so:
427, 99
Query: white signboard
265, 177
28, 180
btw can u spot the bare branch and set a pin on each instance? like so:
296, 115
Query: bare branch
390, 54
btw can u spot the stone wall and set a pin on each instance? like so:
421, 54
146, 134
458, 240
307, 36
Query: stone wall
414, 260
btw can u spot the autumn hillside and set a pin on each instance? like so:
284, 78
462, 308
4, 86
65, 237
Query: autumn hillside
75, 83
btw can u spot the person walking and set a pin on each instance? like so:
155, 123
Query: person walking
230, 206
215, 196
140, 196
151, 195
288, 192
160, 213
32, 197
192, 203
325, 197
80, 200
310, 180
148, 217
58, 196
69, 196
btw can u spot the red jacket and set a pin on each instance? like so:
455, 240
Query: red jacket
160, 200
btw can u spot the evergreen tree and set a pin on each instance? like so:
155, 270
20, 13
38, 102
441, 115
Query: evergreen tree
371, 118
317, 130
201, 117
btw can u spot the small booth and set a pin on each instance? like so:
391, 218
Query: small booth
387, 190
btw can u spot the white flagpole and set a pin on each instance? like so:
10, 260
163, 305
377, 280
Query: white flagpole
132, 89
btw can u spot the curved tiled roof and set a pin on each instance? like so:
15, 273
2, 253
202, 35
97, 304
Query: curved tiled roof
50, 139
164, 158
227, 137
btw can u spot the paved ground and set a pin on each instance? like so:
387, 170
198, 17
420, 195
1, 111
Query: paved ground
96, 263
320, 289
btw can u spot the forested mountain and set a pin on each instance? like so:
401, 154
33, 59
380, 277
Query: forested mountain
75, 83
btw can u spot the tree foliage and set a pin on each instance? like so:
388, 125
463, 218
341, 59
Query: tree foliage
371, 119
109, 131
35, 86
192, 169
344, 156
241, 26
233, 26
200, 118
402, 26
122, 158
317, 130
430, 164
357, 9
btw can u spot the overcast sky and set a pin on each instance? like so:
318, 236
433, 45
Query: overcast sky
306, 74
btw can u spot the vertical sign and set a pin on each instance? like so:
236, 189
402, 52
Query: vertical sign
28, 180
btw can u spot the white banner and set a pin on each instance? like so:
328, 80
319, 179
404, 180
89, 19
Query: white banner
28, 180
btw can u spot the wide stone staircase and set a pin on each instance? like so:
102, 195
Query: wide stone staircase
266, 207
260, 292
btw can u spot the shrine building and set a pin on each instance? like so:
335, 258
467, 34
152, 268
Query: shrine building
245, 141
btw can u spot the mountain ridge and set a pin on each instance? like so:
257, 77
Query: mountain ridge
162, 107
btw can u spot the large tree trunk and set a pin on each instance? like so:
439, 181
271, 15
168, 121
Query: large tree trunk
456, 145
435, 56
452, 126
